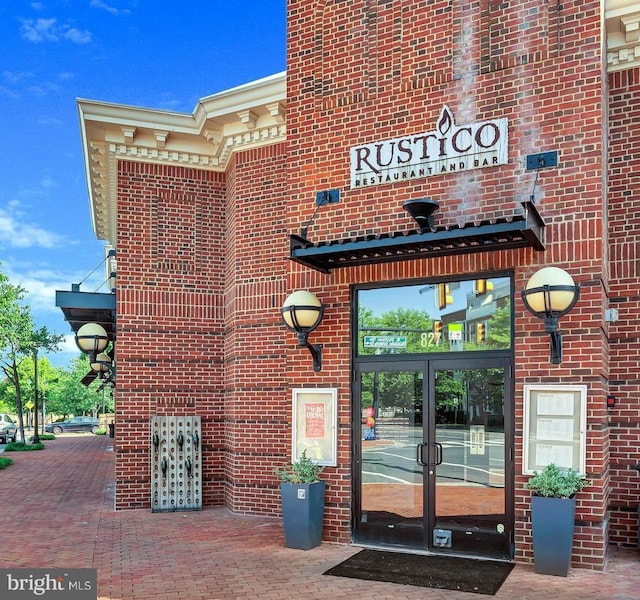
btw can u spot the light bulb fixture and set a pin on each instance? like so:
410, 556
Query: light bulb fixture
92, 339
102, 363
549, 294
302, 313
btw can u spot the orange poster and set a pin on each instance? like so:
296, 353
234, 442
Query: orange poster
315, 420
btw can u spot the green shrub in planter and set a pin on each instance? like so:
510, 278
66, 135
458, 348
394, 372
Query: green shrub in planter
554, 482
304, 470
302, 495
553, 513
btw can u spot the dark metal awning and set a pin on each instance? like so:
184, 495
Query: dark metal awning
520, 231
88, 307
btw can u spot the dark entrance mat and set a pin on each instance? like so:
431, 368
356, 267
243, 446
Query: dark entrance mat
434, 571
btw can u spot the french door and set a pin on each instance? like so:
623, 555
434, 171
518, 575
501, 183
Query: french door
433, 455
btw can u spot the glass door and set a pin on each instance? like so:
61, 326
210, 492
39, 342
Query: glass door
390, 482
468, 488
431, 456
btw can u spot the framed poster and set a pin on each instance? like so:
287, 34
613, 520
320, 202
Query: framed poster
315, 429
555, 427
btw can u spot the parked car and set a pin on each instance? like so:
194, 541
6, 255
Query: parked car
74, 424
8, 429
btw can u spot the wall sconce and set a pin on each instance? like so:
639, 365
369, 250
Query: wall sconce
102, 364
92, 339
550, 294
302, 313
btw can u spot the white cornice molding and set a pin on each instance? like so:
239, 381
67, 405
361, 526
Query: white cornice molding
245, 117
623, 34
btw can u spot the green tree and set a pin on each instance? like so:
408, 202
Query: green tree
500, 328
414, 324
70, 396
20, 339
16, 328
41, 339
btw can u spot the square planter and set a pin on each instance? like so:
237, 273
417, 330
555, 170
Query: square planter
302, 514
552, 525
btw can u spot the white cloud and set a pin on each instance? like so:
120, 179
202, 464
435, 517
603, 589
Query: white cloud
39, 30
48, 30
41, 294
77, 36
48, 182
7, 93
110, 9
44, 88
48, 120
18, 233
16, 76
69, 344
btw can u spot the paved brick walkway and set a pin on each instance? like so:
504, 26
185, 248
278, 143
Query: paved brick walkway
59, 504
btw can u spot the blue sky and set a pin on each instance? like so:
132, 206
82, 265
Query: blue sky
148, 53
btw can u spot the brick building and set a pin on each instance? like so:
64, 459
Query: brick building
516, 121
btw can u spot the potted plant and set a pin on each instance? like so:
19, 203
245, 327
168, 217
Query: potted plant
302, 495
553, 511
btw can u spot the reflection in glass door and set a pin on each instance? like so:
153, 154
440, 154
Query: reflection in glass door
430, 464
468, 476
391, 488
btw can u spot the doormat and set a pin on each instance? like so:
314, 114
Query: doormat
433, 571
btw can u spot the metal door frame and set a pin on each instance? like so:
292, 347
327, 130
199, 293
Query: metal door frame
428, 365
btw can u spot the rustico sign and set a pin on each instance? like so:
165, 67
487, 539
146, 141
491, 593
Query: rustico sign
449, 148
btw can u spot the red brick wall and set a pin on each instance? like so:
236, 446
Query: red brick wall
202, 268
624, 232
257, 404
170, 317
360, 72
201, 278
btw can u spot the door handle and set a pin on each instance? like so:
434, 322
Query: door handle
438, 447
419, 454
419, 449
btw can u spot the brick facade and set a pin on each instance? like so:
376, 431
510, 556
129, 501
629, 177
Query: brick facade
624, 343
202, 267
548, 83
170, 307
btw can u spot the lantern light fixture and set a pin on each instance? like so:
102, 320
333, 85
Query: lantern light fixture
92, 339
549, 294
102, 363
302, 313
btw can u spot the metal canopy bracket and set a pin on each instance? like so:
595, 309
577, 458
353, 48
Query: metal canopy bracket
521, 231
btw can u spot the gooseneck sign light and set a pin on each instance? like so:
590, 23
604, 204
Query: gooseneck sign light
302, 313
550, 294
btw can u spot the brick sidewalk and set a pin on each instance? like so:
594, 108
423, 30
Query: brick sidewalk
59, 503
